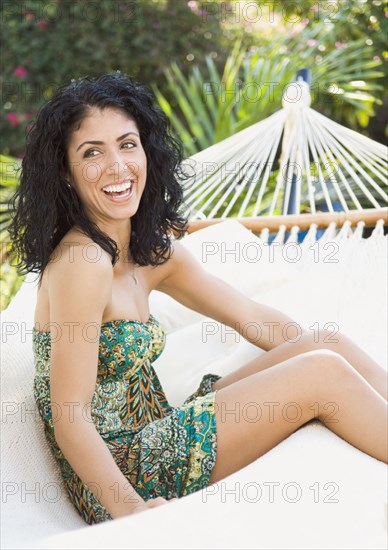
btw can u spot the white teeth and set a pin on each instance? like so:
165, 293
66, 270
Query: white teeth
118, 188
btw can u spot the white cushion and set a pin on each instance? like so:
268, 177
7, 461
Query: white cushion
233, 253
350, 293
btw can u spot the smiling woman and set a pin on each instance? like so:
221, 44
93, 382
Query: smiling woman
110, 171
125, 186
86, 126
100, 202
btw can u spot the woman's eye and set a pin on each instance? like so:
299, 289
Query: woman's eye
129, 143
88, 153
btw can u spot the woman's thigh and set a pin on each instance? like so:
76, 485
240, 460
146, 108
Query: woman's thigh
256, 413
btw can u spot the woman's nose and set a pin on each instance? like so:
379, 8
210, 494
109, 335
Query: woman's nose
116, 166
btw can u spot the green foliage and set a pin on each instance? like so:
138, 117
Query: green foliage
46, 43
190, 51
208, 106
343, 22
10, 280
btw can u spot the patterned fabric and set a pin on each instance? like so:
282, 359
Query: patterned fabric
162, 450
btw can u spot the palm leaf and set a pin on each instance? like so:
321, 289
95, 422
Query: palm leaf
10, 280
216, 108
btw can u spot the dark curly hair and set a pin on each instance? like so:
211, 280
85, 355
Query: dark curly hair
45, 208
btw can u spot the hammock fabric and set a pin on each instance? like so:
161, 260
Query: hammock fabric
339, 280
322, 166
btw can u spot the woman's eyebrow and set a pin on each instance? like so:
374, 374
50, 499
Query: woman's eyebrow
101, 142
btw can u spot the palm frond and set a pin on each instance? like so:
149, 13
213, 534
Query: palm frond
10, 280
208, 107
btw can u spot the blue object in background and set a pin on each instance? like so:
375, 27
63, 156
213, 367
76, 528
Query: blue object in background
337, 207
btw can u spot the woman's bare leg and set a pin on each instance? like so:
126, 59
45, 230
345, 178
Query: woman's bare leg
373, 373
256, 413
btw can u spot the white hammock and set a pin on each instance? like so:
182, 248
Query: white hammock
339, 279
322, 165
313, 293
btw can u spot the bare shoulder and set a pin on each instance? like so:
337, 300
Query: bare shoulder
181, 254
75, 243
178, 254
80, 274
76, 247
182, 264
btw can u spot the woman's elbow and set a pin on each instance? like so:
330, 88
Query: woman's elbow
70, 421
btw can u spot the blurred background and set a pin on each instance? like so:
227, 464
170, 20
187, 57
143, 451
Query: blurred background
216, 67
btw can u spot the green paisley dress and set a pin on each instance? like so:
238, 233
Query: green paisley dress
162, 450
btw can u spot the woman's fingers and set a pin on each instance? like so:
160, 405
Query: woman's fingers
152, 503
159, 501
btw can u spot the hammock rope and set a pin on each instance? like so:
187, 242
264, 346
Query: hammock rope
322, 168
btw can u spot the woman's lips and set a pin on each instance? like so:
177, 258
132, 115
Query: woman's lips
120, 198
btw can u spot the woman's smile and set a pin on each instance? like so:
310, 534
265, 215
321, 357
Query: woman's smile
108, 159
120, 192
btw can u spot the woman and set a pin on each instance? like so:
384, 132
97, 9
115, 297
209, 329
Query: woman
95, 211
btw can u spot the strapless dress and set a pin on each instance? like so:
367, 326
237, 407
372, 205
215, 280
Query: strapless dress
162, 450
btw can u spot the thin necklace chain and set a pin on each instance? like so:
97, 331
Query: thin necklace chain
133, 273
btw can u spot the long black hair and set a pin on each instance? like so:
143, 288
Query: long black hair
46, 208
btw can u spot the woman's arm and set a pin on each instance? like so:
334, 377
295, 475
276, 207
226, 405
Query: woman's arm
78, 293
190, 284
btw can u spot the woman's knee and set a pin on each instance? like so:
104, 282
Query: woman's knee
328, 366
327, 356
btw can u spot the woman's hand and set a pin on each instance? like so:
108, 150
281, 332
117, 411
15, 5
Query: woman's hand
151, 503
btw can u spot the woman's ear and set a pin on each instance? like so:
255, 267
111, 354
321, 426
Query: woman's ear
65, 176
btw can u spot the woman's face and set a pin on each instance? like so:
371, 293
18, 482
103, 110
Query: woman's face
108, 165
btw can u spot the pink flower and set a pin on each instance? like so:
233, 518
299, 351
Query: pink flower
339, 44
27, 116
21, 72
42, 24
13, 119
311, 42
